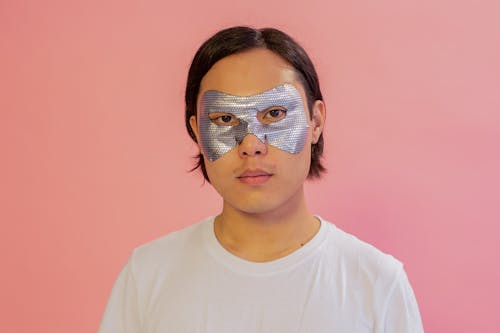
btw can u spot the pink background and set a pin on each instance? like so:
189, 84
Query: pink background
95, 155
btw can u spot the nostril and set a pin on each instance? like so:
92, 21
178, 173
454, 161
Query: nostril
251, 145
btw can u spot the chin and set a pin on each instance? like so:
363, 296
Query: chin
254, 208
260, 205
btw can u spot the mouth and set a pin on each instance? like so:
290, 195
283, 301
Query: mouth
254, 177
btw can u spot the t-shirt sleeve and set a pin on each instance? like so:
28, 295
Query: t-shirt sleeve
122, 312
402, 314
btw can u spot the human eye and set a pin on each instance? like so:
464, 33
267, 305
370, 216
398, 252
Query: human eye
223, 119
271, 115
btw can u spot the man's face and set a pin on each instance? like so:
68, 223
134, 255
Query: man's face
255, 132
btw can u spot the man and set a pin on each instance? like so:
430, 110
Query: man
265, 263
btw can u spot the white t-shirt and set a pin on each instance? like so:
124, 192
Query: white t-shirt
187, 282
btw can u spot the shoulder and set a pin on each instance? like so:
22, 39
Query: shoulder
364, 261
373, 280
174, 247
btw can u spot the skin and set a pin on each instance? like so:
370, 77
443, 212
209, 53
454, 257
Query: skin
264, 218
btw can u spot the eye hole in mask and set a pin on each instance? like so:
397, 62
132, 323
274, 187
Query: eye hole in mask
271, 115
223, 119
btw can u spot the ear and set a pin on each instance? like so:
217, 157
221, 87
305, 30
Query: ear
318, 120
193, 122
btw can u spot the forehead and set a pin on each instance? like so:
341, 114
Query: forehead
249, 73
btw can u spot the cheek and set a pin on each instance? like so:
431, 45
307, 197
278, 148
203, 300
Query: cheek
306, 158
293, 168
302, 161
219, 172
211, 170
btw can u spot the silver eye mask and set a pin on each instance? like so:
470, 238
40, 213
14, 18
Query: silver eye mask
288, 134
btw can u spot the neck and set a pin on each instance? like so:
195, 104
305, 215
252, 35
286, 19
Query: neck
266, 236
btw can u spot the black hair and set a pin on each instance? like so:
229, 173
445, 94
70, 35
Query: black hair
238, 39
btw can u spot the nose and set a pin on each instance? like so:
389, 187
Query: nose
251, 146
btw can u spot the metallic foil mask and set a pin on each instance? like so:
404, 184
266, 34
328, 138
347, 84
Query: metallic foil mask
288, 134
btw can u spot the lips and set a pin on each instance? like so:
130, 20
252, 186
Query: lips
254, 177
